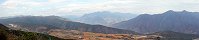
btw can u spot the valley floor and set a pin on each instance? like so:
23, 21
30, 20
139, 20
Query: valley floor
72, 34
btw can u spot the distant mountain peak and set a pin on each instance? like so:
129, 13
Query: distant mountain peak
145, 15
171, 11
100, 12
105, 18
184, 11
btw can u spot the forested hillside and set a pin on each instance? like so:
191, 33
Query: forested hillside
8, 34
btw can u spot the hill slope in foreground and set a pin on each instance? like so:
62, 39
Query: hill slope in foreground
7, 34
162, 35
170, 35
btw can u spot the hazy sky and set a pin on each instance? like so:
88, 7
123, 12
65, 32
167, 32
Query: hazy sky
79, 7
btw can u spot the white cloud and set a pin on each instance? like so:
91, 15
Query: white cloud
57, 1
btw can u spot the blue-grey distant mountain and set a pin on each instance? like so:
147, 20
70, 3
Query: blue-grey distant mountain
181, 21
105, 18
45, 23
71, 17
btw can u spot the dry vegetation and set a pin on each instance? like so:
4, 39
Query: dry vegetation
72, 34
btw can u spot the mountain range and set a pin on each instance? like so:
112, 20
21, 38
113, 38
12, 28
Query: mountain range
105, 18
43, 24
178, 21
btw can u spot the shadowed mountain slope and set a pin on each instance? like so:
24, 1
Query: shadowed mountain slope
182, 21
